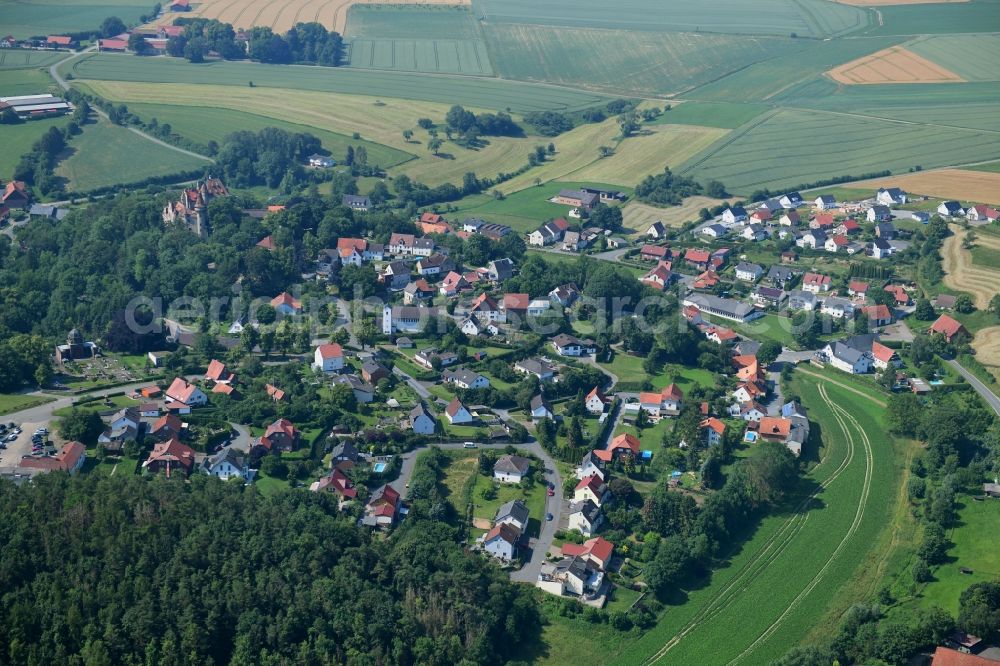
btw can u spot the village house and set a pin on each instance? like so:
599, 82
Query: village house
395, 275
286, 304
714, 231
857, 289
499, 270
279, 436
225, 464
421, 421
596, 402
338, 483
407, 318
457, 413
585, 517
660, 277
568, 345
577, 199
69, 459
329, 358
622, 446
514, 307
837, 307
540, 408
502, 542
981, 213
816, 283
878, 315
768, 296
435, 264
734, 215
180, 391
720, 335
657, 230
948, 328
713, 430
592, 489
417, 291
453, 284
597, 550
565, 295
654, 253
748, 272
883, 356
513, 513
697, 259
425, 358
357, 202
170, 456
852, 355
790, 200
790, 218
542, 370
511, 469
362, 390
590, 465
812, 239
218, 372
549, 233
950, 209
571, 576
666, 402
383, 508
464, 378
755, 232
900, 294
890, 196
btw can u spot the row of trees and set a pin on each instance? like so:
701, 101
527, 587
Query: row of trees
308, 43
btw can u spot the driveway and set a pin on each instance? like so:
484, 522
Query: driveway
241, 441
413, 384
982, 389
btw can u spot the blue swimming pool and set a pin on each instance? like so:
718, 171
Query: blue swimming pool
379, 467
751, 437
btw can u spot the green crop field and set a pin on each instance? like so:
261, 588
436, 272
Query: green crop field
17, 140
421, 55
728, 115
30, 19
412, 22
806, 146
25, 81
973, 57
812, 18
21, 59
106, 154
991, 167
940, 18
764, 80
782, 581
654, 62
213, 124
470, 91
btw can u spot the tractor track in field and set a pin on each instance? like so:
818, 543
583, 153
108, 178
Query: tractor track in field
842, 417
773, 548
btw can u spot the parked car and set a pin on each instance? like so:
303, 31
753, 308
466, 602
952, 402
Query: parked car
469, 445
548, 516
550, 492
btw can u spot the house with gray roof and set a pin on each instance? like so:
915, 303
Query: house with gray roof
514, 512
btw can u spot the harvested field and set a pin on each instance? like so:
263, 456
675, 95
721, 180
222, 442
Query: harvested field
960, 184
282, 16
962, 275
987, 345
638, 216
892, 65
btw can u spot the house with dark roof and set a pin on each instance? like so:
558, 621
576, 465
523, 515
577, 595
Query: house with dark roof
511, 469
422, 421
514, 512
502, 542
585, 517
356, 202
225, 464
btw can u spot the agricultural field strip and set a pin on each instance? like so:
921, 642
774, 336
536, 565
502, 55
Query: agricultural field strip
842, 417
771, 549
484, 93
897, 64
733, 160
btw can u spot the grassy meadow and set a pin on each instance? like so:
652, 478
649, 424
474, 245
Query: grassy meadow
28, 19
105, 154
18, 139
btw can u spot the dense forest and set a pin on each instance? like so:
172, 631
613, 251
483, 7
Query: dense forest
304, 43
124, 570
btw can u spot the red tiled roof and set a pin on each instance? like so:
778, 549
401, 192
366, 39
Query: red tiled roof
484, 303
276, 393
771, 426
672, 392
715, 424
284, 298
947, 327
697, 256
180, 390
625, 441
171, 451
599, 547
858, 286
593, 482
168, 421
267, 242
878, 312
654, 251
596, 391
225, 389
505, 531
217, 371
62, 40
516, 301
330, 350
815, 279
67, 458
453, 407
882, 353
947, 657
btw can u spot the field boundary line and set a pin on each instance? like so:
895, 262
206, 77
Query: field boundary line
840, 414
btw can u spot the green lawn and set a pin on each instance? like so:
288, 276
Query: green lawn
268, 485
487, 509
117, 402
15, 402
525, 210
106, 154
769, 327
628, 368
24, 81
204, 124
971, 549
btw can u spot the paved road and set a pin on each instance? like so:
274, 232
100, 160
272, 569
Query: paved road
241, 442
414, 384
54, 73
982, 389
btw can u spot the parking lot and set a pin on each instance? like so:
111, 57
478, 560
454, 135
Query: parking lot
20, 447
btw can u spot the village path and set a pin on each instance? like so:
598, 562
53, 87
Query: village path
54, 73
